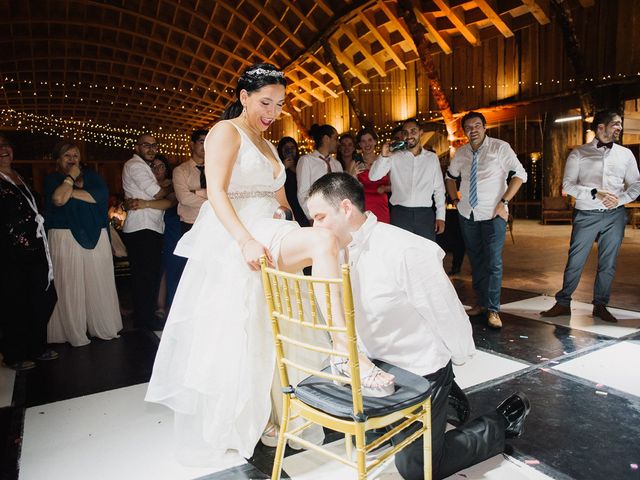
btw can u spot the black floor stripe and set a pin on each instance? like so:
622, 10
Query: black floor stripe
572, 429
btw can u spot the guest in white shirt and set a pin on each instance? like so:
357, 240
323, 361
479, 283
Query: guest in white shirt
416, 182
143, 229
483, 166
189, 182
602, 176
317, 163
411, 320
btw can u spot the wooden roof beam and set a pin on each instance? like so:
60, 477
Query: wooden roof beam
457, 18
437, 36
587, 3
538, 11
363, 49
375, 30
298, 13
297, 95
399, 25
319, 82
305, 85
276, 22
344, 58
324, 67
488, 8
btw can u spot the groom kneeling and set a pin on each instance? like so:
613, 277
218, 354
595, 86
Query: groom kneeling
409, 315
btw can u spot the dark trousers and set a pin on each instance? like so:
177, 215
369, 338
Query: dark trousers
27, 305
144, 249
484, 241
454, 450
185, 227
418, 220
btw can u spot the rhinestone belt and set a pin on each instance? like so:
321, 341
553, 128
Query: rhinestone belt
250, 194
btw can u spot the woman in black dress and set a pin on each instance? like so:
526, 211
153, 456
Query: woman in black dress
27, 294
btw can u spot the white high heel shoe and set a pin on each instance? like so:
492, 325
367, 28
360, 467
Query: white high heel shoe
370, 381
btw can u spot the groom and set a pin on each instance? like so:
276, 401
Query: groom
413, 320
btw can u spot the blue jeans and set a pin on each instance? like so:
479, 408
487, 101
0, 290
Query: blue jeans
607, 227
484, 241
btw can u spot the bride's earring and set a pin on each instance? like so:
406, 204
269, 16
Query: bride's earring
244, 110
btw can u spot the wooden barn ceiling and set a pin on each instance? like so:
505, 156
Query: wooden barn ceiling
173, 64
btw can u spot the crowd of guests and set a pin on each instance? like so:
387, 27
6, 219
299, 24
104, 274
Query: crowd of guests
68, 233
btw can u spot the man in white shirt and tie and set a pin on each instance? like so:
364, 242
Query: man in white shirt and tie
189, 182
317, 163
483, 166
416, 182
143, 229
411, 320
602, 176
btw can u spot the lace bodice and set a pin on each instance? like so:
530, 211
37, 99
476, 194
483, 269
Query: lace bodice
253, 172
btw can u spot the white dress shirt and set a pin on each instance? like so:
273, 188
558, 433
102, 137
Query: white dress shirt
414, 179
614, 170
138, 181
496, 159
407, 311
310, 168
186, 184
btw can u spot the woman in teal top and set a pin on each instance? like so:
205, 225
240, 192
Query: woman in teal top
76, 222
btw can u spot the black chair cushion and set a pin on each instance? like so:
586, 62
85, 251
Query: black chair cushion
336, 400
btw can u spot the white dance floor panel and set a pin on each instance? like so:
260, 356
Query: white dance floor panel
313, 466
484, 367
109, 435
614, 366
580, 318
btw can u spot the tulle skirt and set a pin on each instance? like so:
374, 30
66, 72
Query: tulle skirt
216, 359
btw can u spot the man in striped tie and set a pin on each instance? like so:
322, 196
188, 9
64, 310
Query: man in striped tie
483, 166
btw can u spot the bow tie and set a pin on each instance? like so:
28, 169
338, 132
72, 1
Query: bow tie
608, 145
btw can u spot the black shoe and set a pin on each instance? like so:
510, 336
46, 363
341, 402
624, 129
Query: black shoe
514, 410
458, 410
604, 314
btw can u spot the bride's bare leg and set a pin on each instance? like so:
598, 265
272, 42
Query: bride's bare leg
318, 248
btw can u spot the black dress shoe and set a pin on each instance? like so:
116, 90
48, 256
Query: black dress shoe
604, 314
514, 410
458, 409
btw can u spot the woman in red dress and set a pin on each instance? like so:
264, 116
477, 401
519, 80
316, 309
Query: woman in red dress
375, 193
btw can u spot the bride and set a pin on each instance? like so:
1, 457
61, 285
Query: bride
215, 363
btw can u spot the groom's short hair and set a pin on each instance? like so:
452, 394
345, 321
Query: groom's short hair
335, 187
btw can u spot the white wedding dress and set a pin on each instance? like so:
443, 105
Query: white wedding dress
216, 359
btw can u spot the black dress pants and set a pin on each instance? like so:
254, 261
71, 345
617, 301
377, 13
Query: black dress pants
418, 220
144, 249
27, 304
454, 450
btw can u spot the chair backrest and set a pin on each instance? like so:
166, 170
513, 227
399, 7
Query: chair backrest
299, 308
555, 203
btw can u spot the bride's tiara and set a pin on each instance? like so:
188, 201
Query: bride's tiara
259, 72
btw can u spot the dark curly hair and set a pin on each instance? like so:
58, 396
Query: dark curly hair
254, 78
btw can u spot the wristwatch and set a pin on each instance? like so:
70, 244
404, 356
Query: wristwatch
505, 202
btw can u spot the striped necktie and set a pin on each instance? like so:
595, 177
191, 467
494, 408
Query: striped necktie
473, 181
327, 160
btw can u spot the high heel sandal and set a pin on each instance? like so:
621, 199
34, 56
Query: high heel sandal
270, 436
368, 380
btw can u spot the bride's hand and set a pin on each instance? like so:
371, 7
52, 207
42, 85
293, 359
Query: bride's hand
252, 250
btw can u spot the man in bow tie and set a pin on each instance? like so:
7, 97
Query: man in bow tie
602, 176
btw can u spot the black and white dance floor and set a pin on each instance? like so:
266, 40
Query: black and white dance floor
83, 415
